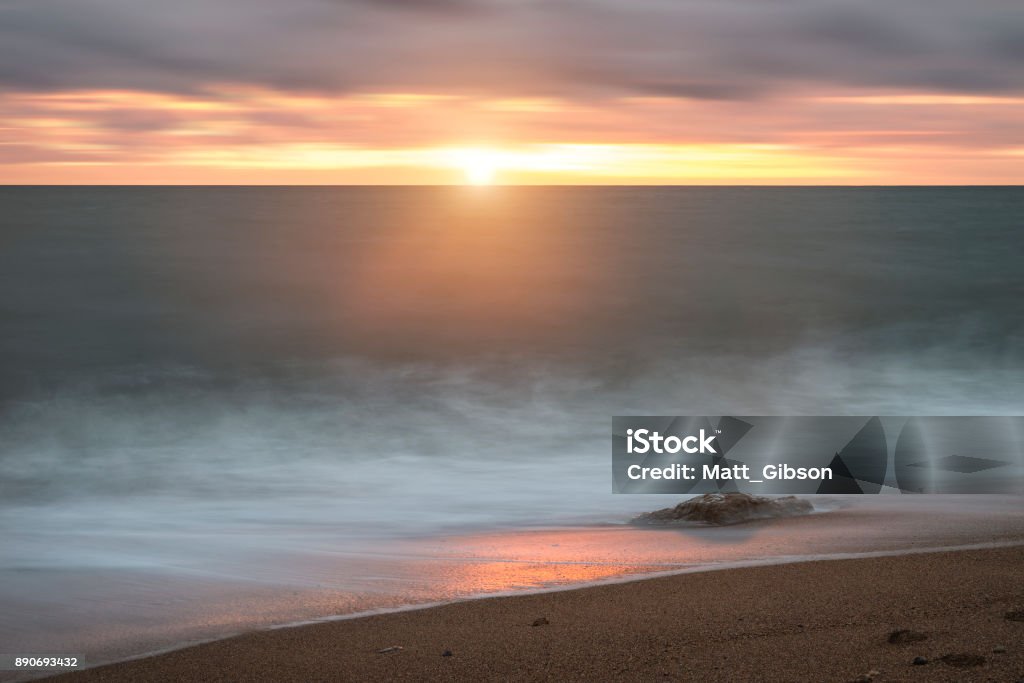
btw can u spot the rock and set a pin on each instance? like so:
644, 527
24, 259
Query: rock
920, 661
999, 649
446, 653
962, 659
1016, 615
726, 508
543, 621
906, 636
393, 648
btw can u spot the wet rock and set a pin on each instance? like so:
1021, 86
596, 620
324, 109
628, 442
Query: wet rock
906, 636
962, 659
446, 653
1016, 615
726, 508
541, 622
920, 661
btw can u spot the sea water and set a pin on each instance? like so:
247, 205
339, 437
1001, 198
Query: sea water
205, 382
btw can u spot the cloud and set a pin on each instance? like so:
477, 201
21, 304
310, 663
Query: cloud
445, 6
728, 50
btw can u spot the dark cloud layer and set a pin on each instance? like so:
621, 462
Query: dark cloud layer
700, 49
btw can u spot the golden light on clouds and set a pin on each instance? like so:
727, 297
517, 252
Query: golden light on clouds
943, 99
388, 92
256, 135
538, 163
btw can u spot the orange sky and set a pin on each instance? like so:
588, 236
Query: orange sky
249, 135
512, 91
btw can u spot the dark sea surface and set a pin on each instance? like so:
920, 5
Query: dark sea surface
233, 344
193, 377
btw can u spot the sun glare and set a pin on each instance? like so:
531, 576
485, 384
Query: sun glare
479, 165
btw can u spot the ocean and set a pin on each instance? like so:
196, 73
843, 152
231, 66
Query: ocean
201, 381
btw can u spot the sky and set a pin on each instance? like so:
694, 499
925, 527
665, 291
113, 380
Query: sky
512, 91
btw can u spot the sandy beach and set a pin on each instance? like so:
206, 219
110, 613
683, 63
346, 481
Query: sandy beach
823, 621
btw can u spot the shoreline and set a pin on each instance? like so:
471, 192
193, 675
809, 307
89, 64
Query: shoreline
113, 619
169, 663
611, 581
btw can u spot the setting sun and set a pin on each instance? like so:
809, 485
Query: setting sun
479, 165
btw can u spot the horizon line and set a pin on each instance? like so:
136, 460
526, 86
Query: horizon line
484, 188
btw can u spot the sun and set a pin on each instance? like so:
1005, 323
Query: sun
479, 165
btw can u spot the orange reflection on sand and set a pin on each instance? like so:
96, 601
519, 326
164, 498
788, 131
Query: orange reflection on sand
500, 562
500, 576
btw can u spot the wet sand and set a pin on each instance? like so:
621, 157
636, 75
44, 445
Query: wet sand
824, 620
111, 614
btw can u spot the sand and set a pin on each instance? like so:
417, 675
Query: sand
811, 621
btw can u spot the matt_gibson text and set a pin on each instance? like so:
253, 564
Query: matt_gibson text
728, 472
